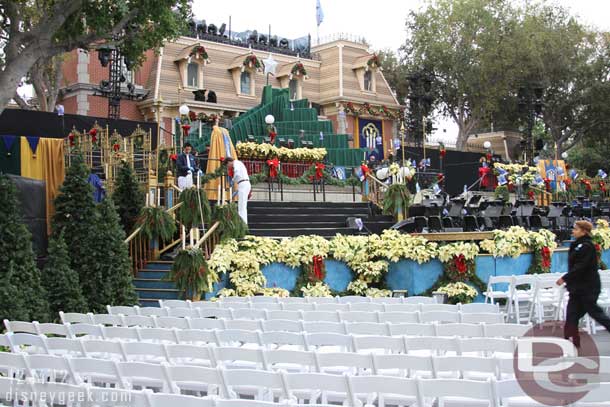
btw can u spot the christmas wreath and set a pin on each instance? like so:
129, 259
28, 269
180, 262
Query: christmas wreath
252, 62
198, 52
298, 70
373, 62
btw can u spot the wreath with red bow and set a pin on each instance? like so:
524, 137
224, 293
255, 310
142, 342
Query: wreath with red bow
541, 263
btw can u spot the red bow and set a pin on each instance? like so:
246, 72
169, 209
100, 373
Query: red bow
460, 263
116, 147
230, 172
185, 129
173, 157
317, 267
440, 177
71, 138
443, 153
365, 169
272, 135
587, 184
546, 257
320, 170
530, 194
93, 132
547, 184
489, 157
273, 166
568, 182
602, 186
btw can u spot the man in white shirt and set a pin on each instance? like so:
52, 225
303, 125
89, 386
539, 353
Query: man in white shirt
241, 181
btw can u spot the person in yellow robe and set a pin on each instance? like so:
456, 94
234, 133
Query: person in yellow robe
221, 146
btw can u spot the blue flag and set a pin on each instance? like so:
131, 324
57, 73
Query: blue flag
319, 13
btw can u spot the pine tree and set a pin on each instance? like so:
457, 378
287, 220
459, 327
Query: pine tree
22, 296
128, 197
61, 282
113, 255
74, 215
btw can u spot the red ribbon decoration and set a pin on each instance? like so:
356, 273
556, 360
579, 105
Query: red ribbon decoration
546, 257
489, 157
173, 157
587, 184
365, 169
460, 263
272, 136
547, 184
93, 132
317, 267
320, 170
530, 194
440, 177
185, 129
71, 138
443, 153
273, 167
602, 186
116, 147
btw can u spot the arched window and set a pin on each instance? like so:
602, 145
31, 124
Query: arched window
192, 75
368, 80
245, 83
293, 87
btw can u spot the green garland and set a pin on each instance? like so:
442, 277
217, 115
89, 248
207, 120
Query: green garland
397, 198
195, 208
156, 223
306, 178
231, 224
190, 273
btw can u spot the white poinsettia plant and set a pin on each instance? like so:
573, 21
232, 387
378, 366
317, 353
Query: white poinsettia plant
601, 233
447, 252
517, 240
377, 292
357, 287
318, 289
301, 250
459, 292
398, 246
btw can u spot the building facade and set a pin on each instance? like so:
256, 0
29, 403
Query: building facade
340, 78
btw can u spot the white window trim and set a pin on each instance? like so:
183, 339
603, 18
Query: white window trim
236, 73
360, 76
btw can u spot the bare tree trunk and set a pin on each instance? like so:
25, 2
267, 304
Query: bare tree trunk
21, 102
15, 70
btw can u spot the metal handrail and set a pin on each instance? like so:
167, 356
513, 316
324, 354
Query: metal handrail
375, 189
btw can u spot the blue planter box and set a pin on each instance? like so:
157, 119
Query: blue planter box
414, 277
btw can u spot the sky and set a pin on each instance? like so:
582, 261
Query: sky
381, 22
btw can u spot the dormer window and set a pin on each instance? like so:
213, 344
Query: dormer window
368, 81
192, 75
365, 69
243, 70
191, 62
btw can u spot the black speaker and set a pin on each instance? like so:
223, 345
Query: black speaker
405, 226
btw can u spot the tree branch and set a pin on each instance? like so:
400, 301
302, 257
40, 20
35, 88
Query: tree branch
21, 102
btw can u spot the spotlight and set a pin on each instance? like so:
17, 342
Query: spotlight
273, 41
199, 95
201, 28
103, 54
122, 78
253, 38
262, 39
222, 29
284, 43
104, 85
212, 29
128, 63
212, 97
131, 88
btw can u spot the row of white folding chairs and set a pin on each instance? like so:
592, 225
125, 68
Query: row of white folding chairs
59, 394
322, 316
348, 299
276, 325
307, 306
347, 389
111, 345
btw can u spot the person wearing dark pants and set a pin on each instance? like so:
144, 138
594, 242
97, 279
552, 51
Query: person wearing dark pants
583, 282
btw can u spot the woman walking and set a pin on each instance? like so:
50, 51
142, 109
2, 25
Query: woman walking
583, 282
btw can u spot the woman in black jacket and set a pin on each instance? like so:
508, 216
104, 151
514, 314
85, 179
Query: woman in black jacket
583, 282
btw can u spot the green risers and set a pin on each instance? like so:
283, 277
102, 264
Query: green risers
299, 115
348, 157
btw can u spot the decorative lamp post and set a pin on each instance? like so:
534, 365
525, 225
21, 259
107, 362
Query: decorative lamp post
184, 111
269, 119
530, 100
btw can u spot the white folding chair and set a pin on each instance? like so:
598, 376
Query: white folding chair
158, 335
11, 389
322, 300
175, 303
96, 372
314, 386
145, 352
208, 323
478, 307
28, 343
260, 299
292, 300
183, 312
403, 365
344, 363
182, 400
153, 311
75, 318
546, 295
366, 307
103, 349
88, 331
457, 392
379, 344
173, 322
121, 333
53, 329
481, 317
324, 327
198, 379
501, 347
521, 295
439, 307
354, 299
267, 306
399, 317
298, 306
321, 316
239, 358
290, 360
283, 340
238, 337
329, 342
431, 345
232, 301
419, 300
285, 315
439, 316
367, 328
205, 304
65, 347
113, 397
461, 329
386, 390
248, 313
142, 321
505, 330
499, 288
282, 325
57, 394
196, 355
510, 393
121, 310
144, 375
20, 327
50, 368
106, 319
261, 385
332, 307
14, 365
196, 336
244, 324
359, 316
465, 367
386, 300
411, 329
399, 307
598, 397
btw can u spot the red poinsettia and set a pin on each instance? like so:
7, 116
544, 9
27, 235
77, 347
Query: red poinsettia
320, 170
273, 167
598, 247
192, 116
587, 184
460, 264
568, 182
93, 134
546, 257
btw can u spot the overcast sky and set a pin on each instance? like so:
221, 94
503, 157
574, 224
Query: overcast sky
381, 22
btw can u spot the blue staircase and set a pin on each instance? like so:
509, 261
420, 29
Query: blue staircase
150, 285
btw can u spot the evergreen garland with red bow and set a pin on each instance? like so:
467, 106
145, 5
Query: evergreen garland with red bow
274, 165
541, 262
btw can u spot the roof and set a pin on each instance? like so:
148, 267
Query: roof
362, 62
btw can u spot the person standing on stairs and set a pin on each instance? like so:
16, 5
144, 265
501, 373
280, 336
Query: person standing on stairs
241, 182
186, 166
583, 282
